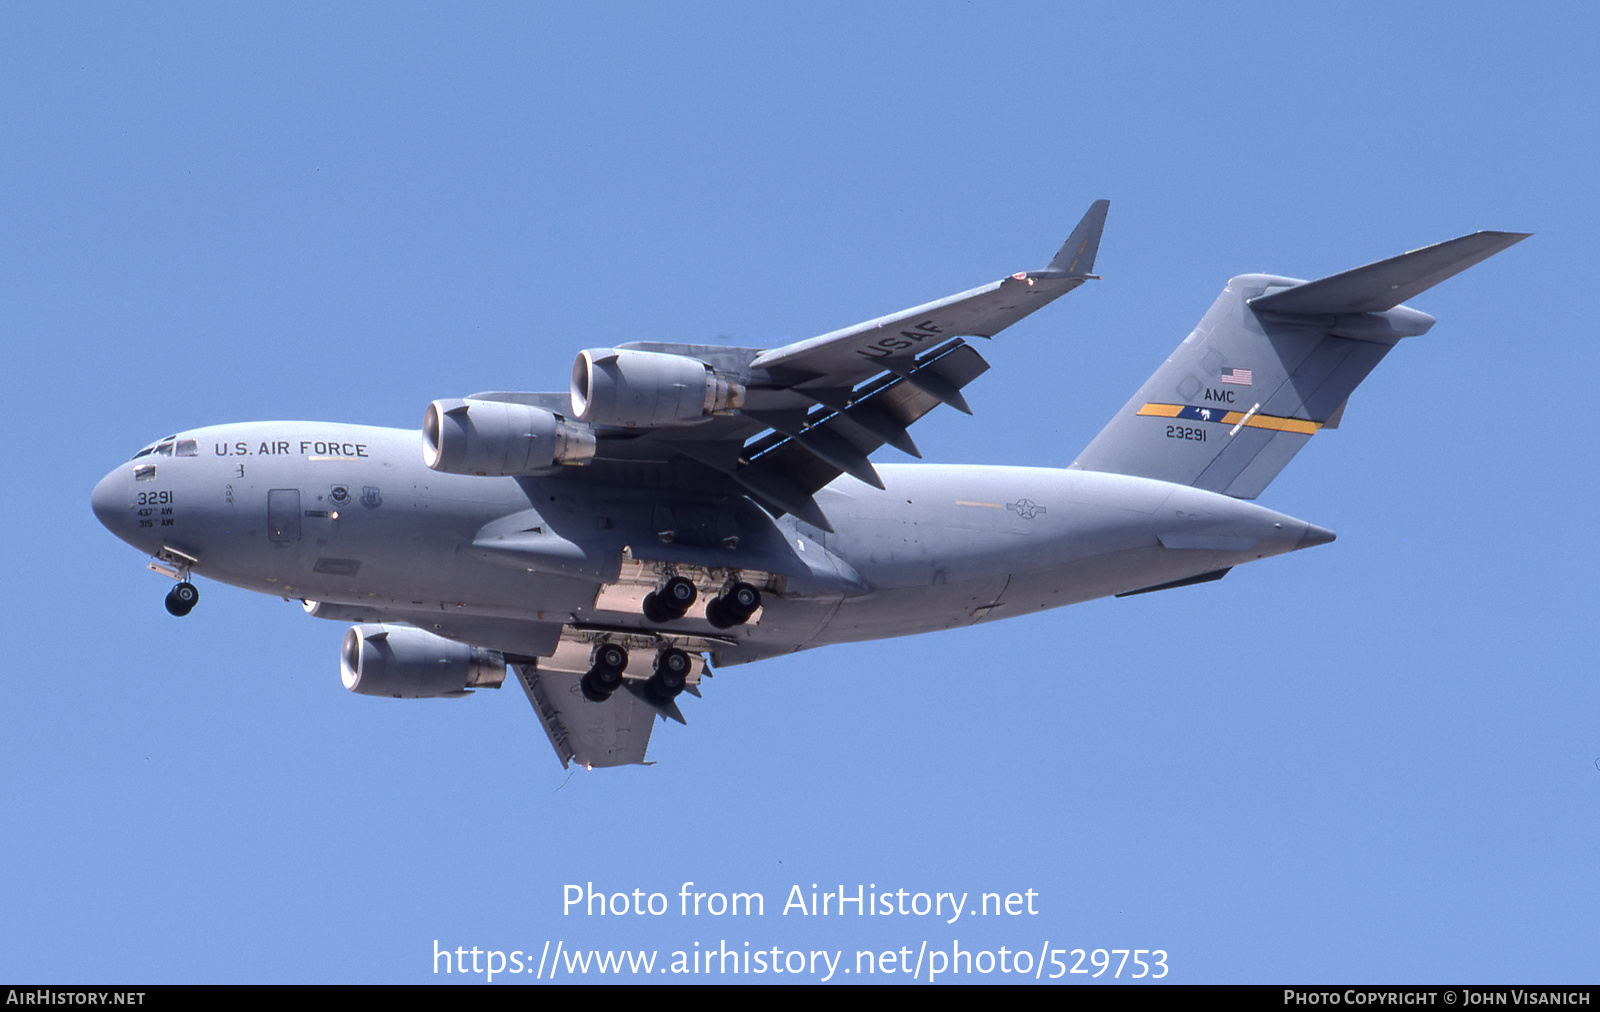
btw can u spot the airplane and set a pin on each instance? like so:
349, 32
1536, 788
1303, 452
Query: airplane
685, 507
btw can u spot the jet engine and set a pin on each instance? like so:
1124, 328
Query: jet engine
615, 386
500, 438
407, 663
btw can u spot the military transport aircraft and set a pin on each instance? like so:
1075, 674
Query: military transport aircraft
689, 505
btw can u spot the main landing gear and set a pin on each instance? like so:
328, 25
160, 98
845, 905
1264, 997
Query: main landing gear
605, 672
182, 598
733, 606
669, 602
672, 671
673, 599
608, 661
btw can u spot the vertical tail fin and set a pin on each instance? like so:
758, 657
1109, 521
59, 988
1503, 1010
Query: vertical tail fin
1271, 364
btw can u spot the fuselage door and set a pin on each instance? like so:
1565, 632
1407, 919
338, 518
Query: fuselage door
283, 514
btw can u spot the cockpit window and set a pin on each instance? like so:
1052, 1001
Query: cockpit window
165, 447
144, 472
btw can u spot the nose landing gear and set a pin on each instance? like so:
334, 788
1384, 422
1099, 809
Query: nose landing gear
182, 598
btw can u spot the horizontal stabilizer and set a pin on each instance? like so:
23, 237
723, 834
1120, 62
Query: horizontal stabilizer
1387, 283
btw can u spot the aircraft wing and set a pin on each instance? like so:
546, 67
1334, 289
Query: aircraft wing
815, 409
846, 357
613, 733
773, 424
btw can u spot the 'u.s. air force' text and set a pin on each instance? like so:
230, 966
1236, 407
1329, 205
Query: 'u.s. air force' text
281, 447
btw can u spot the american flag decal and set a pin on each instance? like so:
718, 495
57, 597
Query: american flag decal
1238, 377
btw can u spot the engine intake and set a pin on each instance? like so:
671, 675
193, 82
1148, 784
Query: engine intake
407, 663
617, 386
500, 438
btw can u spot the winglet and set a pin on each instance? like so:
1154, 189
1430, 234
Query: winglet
1379, 287
1076, 256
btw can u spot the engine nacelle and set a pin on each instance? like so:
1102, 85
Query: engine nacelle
407, 663
500, 438
616, 386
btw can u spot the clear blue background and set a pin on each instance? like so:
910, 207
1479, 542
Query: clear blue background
1374, 761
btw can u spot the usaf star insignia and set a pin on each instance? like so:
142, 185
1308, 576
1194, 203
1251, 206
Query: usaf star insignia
1027, 509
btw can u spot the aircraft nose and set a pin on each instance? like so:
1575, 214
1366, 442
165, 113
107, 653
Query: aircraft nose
110, 500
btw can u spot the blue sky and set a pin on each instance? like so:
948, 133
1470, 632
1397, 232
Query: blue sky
1372, 761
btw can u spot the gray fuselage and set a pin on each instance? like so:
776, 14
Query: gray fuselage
350, 516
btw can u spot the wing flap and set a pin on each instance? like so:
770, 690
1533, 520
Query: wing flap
798, 464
